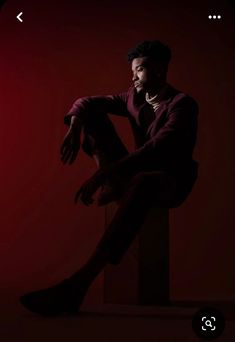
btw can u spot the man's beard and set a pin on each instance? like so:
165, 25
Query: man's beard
141, 89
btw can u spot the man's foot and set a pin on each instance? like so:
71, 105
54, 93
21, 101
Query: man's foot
65, 297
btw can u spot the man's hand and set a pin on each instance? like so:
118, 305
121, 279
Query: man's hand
88, 188
71, 145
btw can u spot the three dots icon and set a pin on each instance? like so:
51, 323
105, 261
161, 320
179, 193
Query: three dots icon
214, 16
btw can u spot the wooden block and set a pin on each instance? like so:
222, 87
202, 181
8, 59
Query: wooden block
142, 277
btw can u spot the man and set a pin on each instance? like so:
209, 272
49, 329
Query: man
160, 170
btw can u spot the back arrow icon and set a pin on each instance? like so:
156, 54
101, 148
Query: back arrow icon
19, 17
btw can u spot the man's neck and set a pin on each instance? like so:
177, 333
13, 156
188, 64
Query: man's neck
155, 90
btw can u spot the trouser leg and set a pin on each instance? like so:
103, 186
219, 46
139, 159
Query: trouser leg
146, 189
101, 138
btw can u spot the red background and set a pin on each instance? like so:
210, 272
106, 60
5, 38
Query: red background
64, 51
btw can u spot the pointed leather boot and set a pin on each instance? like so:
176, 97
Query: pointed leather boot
65, 297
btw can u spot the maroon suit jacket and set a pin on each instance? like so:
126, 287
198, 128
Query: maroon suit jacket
169, 140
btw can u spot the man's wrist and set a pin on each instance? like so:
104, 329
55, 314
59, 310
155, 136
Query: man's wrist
75, 123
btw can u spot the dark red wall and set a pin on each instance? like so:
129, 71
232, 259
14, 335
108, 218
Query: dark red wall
64, 51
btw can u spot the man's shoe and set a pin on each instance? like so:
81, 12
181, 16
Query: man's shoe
64, 297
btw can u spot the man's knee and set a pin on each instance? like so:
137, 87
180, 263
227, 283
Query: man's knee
153, 183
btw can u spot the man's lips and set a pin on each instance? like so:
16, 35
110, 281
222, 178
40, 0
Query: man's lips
137, 84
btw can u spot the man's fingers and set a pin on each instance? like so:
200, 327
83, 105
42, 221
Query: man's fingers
62, 147
88, 189
65, 150
73, 156
69, 152
80, 195
86, 200
77, 195
84, 196
83, 200
65, 144
66, 156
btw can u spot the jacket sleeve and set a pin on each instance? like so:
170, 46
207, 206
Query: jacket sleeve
93, 105
172, 144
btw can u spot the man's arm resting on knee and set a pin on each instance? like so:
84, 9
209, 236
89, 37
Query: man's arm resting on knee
92, 105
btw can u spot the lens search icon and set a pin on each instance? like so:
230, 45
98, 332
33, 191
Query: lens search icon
208, 323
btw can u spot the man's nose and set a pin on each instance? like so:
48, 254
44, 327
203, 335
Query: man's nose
134, 78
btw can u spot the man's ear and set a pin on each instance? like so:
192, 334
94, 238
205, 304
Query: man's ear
160, 69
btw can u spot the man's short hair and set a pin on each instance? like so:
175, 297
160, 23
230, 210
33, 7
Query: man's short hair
155, 50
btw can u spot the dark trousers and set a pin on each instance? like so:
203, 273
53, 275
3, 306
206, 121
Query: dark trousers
145, 189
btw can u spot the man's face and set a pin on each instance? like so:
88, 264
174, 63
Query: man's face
146, 75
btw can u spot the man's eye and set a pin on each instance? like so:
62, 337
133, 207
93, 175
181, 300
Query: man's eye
140, 69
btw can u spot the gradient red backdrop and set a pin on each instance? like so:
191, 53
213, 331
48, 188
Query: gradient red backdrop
65, 50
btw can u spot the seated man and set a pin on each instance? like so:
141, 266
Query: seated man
160, 171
